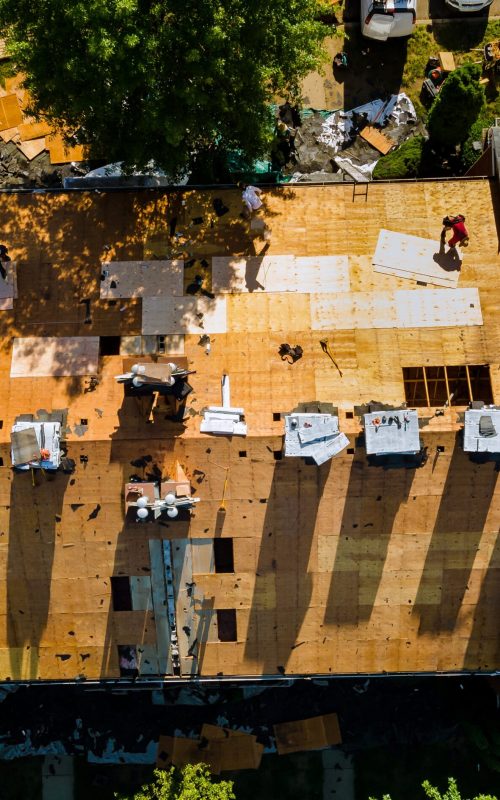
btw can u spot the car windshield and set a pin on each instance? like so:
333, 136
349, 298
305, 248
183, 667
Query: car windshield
391, 7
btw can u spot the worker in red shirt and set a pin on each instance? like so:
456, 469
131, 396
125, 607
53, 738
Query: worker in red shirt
460, 232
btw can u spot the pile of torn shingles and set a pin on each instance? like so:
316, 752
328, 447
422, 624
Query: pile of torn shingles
361, 135
32, 154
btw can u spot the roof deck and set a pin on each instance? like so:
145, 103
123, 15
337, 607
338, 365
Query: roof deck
342, 568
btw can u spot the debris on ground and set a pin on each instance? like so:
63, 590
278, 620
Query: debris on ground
361, 135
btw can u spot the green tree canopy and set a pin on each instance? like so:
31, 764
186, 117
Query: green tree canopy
192, 782
162, 79
451, 793
456, 107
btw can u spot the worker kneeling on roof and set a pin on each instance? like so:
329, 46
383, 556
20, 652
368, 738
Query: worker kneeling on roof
460, 232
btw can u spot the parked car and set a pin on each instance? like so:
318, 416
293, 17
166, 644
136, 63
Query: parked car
383, 20
469, 5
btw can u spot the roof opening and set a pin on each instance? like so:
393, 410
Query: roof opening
109, 345
226, 624
224, 554
447, 385
120, 593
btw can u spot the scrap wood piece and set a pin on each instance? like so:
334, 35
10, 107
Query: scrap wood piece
377, 139
314, 733
177, 751
62, 153
235, 749
447, 61
32, 148
357, 175
10, 112
9, 134
33, 130
216, 734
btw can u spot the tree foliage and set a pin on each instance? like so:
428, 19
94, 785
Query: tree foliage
451, 793
456, 107
192, 782
404, 162
162, 79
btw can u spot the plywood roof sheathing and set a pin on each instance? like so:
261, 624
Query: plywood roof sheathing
54, 356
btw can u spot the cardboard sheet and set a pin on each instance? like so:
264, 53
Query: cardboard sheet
49, 356
141, 278
418, 259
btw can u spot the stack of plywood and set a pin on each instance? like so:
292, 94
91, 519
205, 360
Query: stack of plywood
221, 749
30, 136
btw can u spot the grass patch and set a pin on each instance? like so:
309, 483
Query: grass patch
420, 47
460, 37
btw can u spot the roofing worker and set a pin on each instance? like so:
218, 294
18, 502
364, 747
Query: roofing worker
250, 197
460, 232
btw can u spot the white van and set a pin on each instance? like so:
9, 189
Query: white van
385, 20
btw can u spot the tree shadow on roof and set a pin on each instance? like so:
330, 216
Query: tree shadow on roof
296, 498
35, 514
466, 499
483, 647
368, 518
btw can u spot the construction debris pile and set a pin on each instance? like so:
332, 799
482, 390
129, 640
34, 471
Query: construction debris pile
363, 135
32, 153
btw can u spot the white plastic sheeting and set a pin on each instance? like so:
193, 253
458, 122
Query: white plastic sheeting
339, 128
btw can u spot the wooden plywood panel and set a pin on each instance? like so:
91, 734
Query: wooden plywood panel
430, 308
377, 139
419, 308
32, 148
251, 313
10, 112
141, 278
61, 153
9, 134
196, 315
280, 274
307, 734
49, 356
33, 130
416, 258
